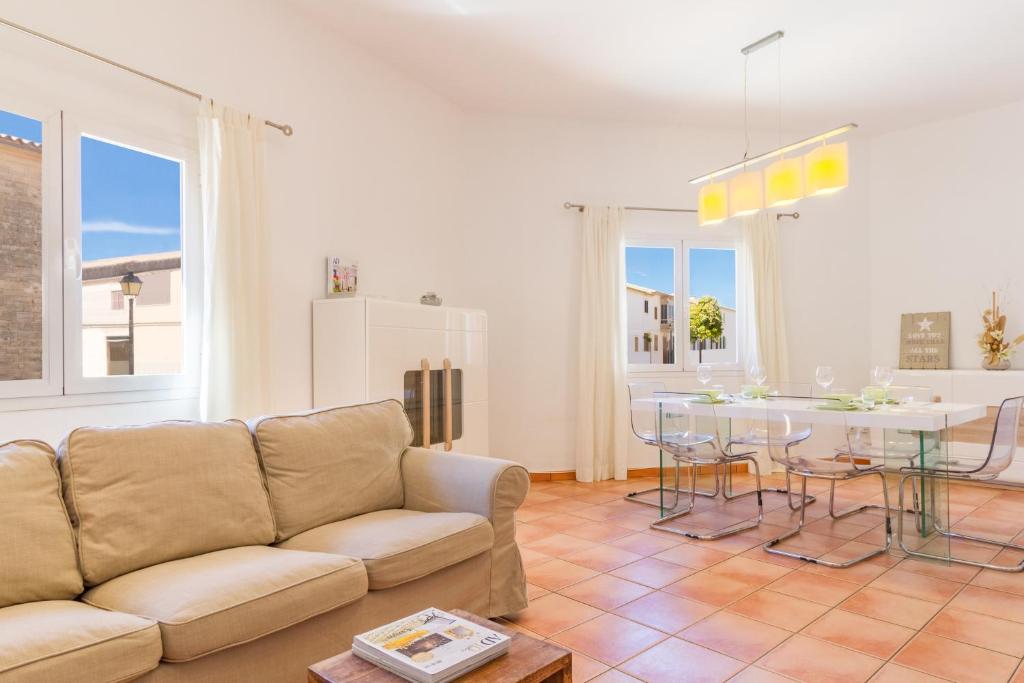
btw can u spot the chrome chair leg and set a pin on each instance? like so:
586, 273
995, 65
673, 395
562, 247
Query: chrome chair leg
1012, 568
727, 531
770, 545
807, 500
634, 496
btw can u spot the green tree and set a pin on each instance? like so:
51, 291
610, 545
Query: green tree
705, 322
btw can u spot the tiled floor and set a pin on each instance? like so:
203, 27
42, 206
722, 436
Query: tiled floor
634, 603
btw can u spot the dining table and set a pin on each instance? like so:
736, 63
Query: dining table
925, 424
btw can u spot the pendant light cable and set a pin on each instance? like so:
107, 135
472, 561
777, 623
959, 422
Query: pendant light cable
778, 80
746, 127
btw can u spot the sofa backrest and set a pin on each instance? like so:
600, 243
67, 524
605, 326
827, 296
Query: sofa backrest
37, 547
329, 465
139, 496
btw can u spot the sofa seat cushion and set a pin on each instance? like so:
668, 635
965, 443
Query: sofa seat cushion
63, 640
398, 546
214, 601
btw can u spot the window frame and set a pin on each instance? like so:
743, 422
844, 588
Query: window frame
75, 126
51, 381
676, 247
681, 243
724, 244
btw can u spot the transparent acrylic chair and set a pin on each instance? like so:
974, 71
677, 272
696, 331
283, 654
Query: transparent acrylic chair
779, 424
899, 447
643, 416
757, 436
1006, 436
695, 448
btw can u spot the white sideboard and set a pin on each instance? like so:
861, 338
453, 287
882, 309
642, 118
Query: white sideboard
988, 387
374, 349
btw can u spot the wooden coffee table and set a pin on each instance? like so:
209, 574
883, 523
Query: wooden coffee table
528, 661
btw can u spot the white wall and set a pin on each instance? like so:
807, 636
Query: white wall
946, 229
368, 175
521, 251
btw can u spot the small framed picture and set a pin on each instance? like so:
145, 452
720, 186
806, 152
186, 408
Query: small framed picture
342, 278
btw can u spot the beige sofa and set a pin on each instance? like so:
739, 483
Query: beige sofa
185, 551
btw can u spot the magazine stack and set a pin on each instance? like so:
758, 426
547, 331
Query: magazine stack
431, 646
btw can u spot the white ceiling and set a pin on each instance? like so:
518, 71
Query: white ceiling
881, 63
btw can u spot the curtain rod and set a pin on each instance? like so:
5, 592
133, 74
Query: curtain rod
283, 127
579, 207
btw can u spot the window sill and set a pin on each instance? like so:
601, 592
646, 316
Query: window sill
10, 405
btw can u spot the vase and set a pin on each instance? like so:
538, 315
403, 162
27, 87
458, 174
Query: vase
1003, 364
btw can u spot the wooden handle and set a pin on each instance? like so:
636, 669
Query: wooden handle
447, 404
425, 371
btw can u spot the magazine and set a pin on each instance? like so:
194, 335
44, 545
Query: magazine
342, 278
431, 646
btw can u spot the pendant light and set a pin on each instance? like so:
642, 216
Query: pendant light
712, 204
827, 169
783, 179
784, 182
746, 194
823, 170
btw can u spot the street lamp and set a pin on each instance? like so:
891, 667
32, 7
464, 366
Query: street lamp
131, 285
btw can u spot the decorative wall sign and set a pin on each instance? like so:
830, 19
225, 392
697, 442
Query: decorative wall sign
924, 341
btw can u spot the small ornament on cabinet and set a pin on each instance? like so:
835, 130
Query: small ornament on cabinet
996, 351
342, 278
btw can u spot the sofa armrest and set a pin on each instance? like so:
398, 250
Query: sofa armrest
491, 488
453, 482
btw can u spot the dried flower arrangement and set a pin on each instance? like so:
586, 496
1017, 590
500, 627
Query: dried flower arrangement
996, 350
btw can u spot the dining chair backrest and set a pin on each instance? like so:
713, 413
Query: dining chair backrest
687, 421
1005, 436
643, 412
782, 427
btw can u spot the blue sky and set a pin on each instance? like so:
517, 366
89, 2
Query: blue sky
712, 271
131, 201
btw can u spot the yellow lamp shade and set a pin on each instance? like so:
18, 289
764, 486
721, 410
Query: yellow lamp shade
826, 169
712, 204
783, 182
746, 193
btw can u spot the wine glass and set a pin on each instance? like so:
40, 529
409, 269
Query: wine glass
882, 375
704, 373
758, 373
823, 376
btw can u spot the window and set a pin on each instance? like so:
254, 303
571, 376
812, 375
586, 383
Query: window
702, 273
131, 225
712, 297
651, 277
129, 207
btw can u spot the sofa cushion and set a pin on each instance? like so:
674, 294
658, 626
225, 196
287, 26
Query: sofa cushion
332, 464
143, 495
398, 546
63, 640
213, 601
37, 547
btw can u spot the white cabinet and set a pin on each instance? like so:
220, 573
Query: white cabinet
373, 349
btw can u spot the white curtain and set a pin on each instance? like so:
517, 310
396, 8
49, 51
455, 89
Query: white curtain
764, 321
602, 413
234, 375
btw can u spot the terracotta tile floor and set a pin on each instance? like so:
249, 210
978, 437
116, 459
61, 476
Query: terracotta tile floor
634, 603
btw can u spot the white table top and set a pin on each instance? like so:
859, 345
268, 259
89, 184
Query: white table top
928, 417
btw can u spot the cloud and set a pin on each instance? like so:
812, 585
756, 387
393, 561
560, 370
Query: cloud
126, 228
